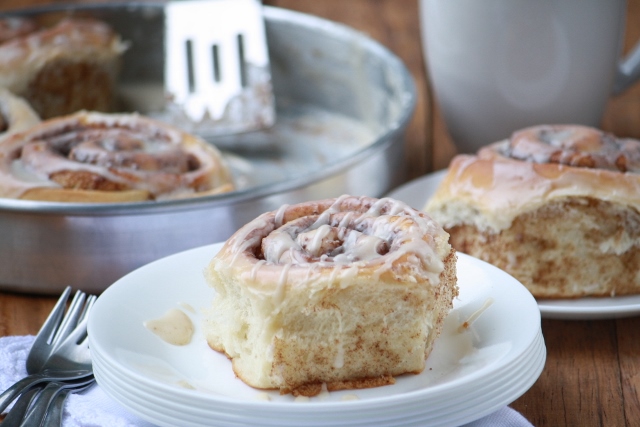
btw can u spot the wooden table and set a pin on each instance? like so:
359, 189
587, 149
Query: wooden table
592, 374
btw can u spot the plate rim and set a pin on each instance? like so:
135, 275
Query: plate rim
357, 405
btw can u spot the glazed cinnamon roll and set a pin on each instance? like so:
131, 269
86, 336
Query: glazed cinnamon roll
100, 157
347, 292
62, 69
558, 207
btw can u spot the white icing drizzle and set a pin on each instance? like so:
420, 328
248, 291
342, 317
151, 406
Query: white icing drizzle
126, 149
534, 167
318, 239
347, 397
324, 392
344, 237
256, 267
280, 290
280, 215
474, 316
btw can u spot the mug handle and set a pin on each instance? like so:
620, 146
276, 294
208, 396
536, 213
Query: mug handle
628, 71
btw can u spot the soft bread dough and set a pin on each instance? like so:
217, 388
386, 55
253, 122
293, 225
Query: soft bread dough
346, 292
558, 207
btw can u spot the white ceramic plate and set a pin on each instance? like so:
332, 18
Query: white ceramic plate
470, 373
417, 192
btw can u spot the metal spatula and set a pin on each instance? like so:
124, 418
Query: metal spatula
217, 66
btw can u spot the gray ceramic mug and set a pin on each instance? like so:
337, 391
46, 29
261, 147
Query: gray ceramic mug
500, 65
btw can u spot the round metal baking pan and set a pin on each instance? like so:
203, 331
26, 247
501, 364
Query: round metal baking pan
343, 103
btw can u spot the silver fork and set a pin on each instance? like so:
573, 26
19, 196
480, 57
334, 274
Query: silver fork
47, 407
53, 416
54, 329
56, 354
73, 353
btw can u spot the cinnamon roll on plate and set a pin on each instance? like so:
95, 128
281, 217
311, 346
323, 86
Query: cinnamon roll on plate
345, 292
558, 207
70, 66
100, 157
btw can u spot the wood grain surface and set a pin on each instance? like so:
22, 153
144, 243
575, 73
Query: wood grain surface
592, 373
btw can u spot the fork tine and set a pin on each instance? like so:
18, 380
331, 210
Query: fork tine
70, 320
67, 357
74, 346
79, 334
91, 299
35, 360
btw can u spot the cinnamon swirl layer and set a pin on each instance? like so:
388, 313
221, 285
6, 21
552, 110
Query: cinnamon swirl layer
578, 146
62, 69
556, 206
99, 157
340, 291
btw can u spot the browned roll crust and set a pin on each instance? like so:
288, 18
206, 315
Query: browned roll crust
62, 69
346, 292
558, 207
100, 157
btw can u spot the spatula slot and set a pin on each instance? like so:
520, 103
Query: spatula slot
191, 80
215, 63
242, 62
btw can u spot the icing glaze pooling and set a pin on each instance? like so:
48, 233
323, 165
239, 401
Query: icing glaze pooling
174, 327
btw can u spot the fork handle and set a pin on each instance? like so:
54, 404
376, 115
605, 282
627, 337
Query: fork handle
17, 388
32, 380
48, 405
53, 418
41, 404
17, 413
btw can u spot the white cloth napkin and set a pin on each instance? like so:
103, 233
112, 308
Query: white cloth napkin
93, 408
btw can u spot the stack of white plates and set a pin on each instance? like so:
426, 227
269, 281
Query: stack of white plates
472, 371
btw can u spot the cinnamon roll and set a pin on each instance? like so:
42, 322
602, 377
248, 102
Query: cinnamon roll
12, 27
558, 207
100, 157
347, 292
59, 70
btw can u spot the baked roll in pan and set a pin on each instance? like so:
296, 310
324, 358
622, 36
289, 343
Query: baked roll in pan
59, 70
100, 157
